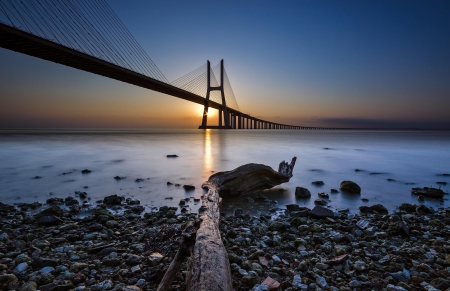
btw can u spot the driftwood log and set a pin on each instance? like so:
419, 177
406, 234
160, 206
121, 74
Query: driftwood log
208, 265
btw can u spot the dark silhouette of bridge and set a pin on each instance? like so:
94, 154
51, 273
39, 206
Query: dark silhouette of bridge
89, 36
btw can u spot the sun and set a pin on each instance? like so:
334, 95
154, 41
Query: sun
211, 111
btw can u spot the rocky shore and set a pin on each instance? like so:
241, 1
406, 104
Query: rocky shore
116, 246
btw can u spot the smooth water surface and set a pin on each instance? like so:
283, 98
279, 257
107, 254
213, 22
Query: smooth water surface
419, 157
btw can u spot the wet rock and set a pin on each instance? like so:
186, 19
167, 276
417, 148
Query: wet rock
189, 187
113, 200
86, 171
428, 191
423, 209
49, 220
350, 187
293, 207
334, 191
410, 208
5, 208
118, 178
377, 208
320, 202
172, 156
69, 201
301, 192
318, 183
321, 212
323, 195
53, 210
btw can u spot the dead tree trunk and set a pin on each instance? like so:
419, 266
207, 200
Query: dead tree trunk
208, 265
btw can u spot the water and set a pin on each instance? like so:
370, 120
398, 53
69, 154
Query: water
418, 157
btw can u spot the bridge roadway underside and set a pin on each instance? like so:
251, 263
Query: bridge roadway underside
29, 44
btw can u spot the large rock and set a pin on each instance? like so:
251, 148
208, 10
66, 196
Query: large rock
321, 212
52, 210
293, 207
5, 208
350, 187
301, 192
49, 220
440, 283
29, 286
430, 192
378, 208
410, 208
113, 200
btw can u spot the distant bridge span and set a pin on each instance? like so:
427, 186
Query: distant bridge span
32, 45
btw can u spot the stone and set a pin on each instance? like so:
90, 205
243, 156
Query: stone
301, 192
251, 279
379, 209
293, 207
28, 286
133, 260
22, 258
76, 267
410, 208
321, 202
21, 268
271, 283
321, 266
258, 287
52, 210
440, 283
428, 191
136, 269
155, 259
338, 260
47, 270
318, 183
276, 226
350, 187
49, 220
322, 282
113, 200
391, 287
189, 187
321, 212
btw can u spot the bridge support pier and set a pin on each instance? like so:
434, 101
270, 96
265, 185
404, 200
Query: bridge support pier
224, 110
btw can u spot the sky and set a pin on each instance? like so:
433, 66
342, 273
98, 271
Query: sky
308, 63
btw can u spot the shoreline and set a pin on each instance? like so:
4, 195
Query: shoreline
302, 249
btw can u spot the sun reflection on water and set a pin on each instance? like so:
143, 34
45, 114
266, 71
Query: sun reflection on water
207, 157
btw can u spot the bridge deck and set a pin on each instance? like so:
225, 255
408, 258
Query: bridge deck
26, 43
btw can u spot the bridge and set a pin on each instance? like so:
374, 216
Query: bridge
89, 36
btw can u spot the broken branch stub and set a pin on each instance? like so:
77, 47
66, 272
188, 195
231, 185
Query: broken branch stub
250, 178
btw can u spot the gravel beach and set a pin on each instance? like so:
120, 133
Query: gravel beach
115, 246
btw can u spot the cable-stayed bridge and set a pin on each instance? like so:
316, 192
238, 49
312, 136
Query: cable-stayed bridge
89, 36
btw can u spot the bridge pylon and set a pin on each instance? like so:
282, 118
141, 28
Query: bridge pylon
222, 111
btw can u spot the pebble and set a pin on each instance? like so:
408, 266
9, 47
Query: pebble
300, 248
